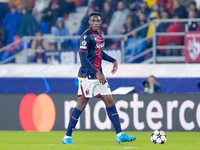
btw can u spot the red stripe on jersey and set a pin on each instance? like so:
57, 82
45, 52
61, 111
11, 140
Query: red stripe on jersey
102, 33
83, 51
97, 59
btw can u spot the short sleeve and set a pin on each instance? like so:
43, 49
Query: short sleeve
83, 45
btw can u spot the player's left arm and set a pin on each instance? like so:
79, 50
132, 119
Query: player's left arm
108, 58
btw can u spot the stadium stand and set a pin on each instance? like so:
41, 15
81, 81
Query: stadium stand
156, 45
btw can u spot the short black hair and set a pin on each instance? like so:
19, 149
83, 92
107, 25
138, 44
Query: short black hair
95, 14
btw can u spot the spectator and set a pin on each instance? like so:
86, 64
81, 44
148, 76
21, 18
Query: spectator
39, 8
193, 26
134, 50
150, 3
98, 5
106, 15
172, 40
180, 10
162, 27
193, 7
128, 26
154, 9
39, 45
61, 30
4, 10
151, 29
47, 22
28, 25
167, 4
137, 4
133, 14
64, 7
11, 24
84, 23
151, 86
2, 36
144, 8
118, 19
162, 8
53, 12
60, 8
142, 21
113, 3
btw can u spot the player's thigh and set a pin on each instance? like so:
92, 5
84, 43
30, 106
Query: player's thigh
108, 100
82, 102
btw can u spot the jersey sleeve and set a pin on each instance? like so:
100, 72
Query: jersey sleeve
108, 58
83, 53
83, 45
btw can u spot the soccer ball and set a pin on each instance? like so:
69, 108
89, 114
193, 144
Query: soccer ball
158, 137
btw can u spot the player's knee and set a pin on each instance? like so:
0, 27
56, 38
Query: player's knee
82, 103
110, 102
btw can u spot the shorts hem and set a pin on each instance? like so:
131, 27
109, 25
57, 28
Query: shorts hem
98, 95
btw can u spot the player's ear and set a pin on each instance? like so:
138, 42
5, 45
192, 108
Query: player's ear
101, 22
89, 22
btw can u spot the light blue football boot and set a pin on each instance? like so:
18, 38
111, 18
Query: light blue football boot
125, 138
67, 141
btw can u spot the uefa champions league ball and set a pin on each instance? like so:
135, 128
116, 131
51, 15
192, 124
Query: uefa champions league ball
158, 137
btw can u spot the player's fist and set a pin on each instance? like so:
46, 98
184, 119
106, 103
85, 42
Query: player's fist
101, 78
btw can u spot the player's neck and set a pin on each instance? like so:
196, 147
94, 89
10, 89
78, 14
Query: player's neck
95, 31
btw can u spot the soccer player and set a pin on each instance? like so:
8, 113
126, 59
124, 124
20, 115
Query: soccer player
92, 81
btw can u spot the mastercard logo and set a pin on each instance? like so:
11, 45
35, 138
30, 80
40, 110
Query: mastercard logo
37, 113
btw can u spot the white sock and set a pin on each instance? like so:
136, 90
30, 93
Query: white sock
67, 136
119, 134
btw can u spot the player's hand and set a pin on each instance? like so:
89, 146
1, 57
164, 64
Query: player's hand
101, 78
115, 67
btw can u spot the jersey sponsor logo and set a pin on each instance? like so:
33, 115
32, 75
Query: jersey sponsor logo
99, 45
83, 47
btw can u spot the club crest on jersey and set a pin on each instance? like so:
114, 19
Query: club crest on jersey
87, 92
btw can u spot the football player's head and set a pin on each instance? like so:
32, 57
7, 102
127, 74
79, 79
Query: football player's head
95, 21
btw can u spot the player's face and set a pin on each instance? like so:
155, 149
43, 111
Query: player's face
95, 23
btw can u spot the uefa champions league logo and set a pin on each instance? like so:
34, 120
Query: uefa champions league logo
193, 48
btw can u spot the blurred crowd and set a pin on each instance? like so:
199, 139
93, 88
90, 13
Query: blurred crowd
20, 18
121, 17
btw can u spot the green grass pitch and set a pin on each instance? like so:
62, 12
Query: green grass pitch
20, 140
